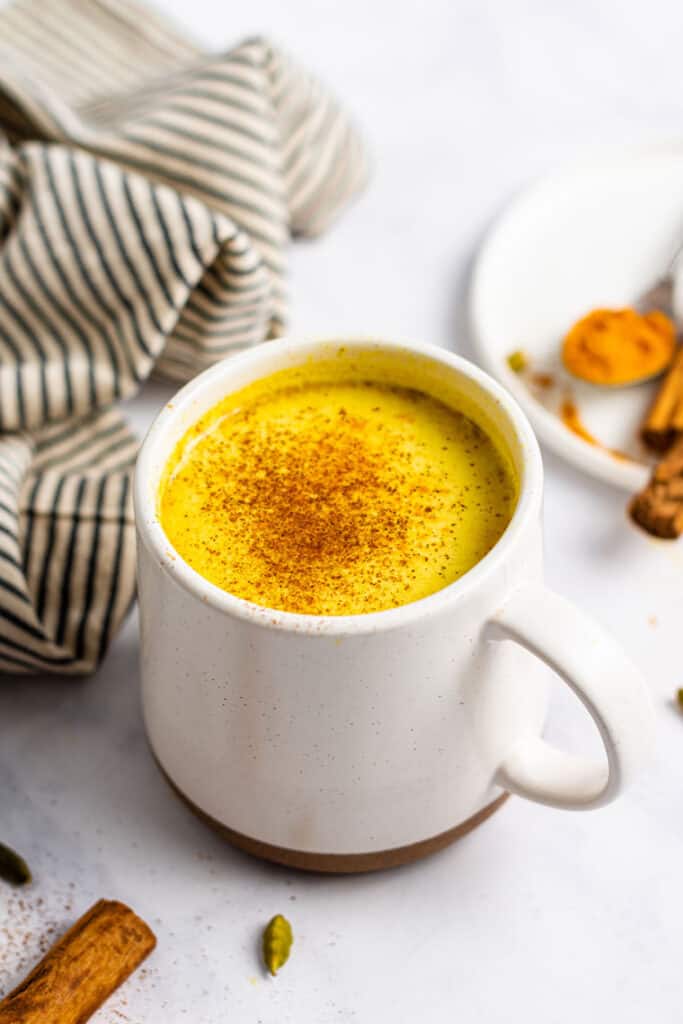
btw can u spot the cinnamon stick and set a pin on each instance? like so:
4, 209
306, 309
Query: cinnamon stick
665, 418
82, 969
659, 507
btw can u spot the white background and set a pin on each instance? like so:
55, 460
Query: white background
541, 915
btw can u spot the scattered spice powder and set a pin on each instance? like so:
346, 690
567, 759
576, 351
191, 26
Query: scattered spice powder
544, 381
570, 416
28, 929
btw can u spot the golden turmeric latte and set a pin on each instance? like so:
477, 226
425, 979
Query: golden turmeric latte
334, 497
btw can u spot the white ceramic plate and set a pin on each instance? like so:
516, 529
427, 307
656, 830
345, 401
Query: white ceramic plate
595, 235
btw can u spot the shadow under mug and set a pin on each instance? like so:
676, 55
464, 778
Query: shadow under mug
349, 743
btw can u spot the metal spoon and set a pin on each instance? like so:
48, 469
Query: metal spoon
658, 297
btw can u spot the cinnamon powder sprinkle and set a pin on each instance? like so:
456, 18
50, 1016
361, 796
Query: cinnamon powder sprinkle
335, 498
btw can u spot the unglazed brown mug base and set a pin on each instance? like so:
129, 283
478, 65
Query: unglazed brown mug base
341, 863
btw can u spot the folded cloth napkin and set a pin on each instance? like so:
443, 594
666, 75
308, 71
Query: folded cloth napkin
147, 196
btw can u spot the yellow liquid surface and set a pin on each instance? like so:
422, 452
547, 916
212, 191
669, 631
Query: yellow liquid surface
334, 498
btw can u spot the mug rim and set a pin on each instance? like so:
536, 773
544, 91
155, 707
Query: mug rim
151, 533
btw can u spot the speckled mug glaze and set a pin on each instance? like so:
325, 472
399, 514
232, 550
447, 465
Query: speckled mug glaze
349, 742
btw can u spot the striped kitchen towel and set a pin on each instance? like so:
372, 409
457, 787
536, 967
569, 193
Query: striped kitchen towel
147, 196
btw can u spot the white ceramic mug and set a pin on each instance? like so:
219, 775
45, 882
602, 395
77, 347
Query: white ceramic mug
363, 741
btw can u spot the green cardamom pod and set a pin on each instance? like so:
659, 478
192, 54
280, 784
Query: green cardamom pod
277, 943
13, 868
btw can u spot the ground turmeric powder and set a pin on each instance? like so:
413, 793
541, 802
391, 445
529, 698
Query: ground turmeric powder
619, 346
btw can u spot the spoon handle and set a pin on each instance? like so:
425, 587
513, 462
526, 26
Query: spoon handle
660, 295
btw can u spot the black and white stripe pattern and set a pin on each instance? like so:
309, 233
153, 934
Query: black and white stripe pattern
67, 545
147, 196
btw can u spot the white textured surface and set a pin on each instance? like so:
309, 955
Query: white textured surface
546, 915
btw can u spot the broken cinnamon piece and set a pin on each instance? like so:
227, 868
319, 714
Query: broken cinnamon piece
675, 489
82, 969
670, 467
659, 507
665, 417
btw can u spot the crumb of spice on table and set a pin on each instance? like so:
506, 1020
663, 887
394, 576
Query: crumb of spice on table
544, 381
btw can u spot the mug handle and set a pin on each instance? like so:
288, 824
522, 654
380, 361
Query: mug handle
607, 684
